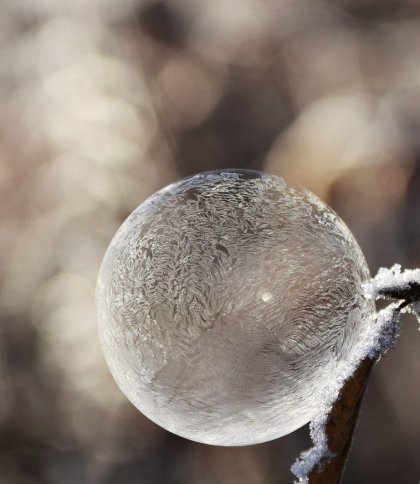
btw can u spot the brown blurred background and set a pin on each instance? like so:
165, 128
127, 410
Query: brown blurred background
102, 103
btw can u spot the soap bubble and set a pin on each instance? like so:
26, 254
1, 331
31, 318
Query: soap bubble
226, 301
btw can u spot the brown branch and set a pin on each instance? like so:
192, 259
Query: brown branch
341, 424
343, 416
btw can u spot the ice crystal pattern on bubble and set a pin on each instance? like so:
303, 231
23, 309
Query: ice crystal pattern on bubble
225, 302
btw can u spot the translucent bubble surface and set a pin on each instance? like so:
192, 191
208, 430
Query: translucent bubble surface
225, 302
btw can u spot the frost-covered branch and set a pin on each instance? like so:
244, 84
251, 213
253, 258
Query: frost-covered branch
394, 284
332, 429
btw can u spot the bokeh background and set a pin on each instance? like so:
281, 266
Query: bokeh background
102, 103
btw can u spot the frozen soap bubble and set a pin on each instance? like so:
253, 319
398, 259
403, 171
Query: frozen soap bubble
226, 301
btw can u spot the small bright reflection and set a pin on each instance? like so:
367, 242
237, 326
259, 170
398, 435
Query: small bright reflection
266, 296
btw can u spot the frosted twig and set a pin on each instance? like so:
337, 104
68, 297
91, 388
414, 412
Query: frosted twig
331, 430
394, 284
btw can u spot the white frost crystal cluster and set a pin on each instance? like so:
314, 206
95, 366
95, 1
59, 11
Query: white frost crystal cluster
398, 283
391, 279
227, 302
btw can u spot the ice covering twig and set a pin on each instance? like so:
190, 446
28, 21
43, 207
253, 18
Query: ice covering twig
332, 429
394, 284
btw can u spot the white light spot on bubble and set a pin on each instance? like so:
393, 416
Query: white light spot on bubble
266, 296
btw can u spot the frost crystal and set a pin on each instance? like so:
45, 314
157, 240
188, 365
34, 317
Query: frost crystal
393, 281
226, 302
376, 339
416, 310
396, 284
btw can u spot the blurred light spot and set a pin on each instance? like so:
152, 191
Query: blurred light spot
189, 92
64, 311
230, 30
331, 136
